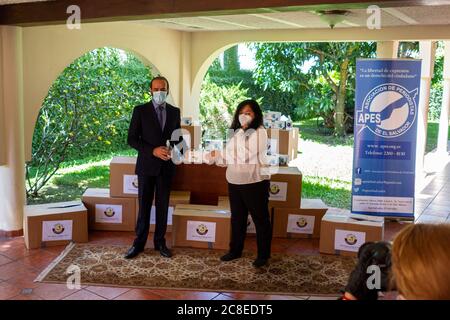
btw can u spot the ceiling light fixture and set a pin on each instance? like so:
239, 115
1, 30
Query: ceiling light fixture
333, 17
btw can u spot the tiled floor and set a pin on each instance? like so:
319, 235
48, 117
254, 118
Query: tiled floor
19, 266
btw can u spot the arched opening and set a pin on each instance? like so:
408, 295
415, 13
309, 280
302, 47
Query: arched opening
83, 121
300, 80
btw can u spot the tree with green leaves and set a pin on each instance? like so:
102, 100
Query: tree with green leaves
86, 112
320, 75
217, 106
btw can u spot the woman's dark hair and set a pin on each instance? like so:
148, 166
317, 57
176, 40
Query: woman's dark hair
257, 121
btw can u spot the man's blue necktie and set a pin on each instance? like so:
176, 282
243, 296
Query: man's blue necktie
160, 116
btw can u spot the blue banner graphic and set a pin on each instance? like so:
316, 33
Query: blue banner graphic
386, 101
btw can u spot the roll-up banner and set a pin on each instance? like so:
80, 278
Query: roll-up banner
386, 102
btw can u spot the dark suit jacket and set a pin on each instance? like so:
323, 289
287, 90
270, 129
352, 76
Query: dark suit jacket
145, 134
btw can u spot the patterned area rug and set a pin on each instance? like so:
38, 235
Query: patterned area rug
201, 269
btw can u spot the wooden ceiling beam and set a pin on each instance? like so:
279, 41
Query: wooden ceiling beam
55, 12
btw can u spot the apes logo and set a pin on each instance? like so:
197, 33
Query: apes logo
58, 228
301, 222
202, 230
351, 239
274, 189
389, 110
109, 212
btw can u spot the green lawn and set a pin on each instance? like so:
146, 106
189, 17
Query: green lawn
432, 134
334, 193
76, 176
311, 130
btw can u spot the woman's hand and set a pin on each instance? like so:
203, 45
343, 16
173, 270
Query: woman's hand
211, 156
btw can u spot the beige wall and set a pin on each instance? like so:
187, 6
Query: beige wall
48, 50
12, 181
2, 113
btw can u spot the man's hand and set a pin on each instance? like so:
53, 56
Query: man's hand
162, 153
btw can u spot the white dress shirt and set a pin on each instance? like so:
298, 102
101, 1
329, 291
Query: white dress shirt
246, 157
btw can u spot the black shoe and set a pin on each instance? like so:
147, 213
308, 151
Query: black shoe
258, 263
164, 251
230, 256
133, 252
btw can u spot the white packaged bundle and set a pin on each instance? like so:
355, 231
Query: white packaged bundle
267, 123
279, 125
272, 115
283, 159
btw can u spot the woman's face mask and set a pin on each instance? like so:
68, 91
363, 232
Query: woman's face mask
245, 119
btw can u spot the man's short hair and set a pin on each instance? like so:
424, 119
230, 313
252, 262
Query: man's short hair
159, 78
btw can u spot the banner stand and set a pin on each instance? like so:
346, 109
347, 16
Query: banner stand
385, 134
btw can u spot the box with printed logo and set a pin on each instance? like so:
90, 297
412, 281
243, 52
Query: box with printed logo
108, 213
55, 224
303, 222
201, 226
342, 234
122, 178
284, 142
285, 188
176, 197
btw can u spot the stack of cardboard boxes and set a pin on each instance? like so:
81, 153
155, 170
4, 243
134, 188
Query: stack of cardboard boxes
292, 216
117, 208
114, 209
55, 224
282, 138
191, 225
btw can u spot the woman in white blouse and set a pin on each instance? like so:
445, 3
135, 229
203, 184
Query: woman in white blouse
248, 178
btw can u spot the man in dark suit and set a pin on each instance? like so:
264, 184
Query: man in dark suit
151, 127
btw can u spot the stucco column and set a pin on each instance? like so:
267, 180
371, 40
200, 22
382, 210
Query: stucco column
427, 54
190, 102
387, 49
12, 179
443, 121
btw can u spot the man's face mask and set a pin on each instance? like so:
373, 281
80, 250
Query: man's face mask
159, 97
